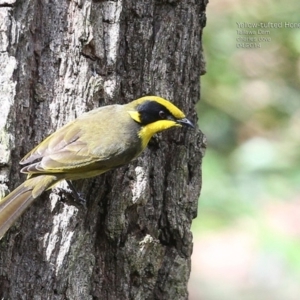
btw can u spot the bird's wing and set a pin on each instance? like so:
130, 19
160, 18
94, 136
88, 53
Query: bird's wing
77, 145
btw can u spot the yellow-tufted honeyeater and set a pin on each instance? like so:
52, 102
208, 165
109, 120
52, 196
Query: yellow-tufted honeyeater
102, 139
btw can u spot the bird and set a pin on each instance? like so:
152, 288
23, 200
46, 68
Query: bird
97, 141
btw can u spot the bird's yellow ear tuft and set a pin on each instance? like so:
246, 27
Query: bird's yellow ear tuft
135, 115
175, 111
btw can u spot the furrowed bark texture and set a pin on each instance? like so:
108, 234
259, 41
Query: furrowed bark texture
59, 59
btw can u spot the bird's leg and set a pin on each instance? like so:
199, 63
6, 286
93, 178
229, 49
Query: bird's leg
78, 197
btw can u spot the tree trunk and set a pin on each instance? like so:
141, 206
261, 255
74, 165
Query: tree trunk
59, 59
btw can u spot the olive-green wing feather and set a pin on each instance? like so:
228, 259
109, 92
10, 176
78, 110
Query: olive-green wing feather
59, 140
89, 142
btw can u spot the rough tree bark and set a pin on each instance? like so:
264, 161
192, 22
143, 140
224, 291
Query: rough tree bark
57, 60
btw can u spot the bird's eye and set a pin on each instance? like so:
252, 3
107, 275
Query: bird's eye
162, 114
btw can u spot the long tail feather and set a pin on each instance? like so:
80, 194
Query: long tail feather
15, 203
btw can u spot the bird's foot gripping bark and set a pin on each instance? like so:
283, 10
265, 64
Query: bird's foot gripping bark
72, 197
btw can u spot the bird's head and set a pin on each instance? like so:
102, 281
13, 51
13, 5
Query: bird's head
156, 114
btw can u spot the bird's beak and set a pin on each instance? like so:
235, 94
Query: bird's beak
185, 122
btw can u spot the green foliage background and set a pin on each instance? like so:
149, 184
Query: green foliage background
250, 113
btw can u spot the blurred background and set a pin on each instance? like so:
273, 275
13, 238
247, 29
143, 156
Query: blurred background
247, 233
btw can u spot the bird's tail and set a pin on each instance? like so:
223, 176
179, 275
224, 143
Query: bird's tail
15, 203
